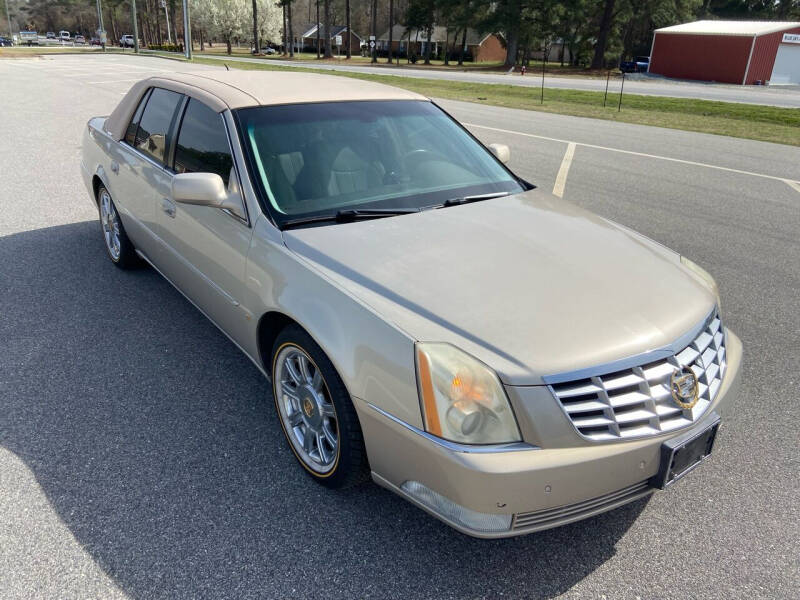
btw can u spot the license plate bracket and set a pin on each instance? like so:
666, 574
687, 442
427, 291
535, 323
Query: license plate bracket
682, 454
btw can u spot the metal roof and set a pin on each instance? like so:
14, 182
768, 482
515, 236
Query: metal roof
748, 28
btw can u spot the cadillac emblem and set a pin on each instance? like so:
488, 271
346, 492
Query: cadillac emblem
684, 388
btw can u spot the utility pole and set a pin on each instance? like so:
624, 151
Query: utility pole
100, 28
373, 38
135, 28
187, 31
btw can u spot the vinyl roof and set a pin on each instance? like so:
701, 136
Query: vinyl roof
239, 88
730, 27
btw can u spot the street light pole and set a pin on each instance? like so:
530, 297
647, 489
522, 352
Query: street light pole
135, 28
187, 31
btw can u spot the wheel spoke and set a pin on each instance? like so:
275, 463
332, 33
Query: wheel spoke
329, 436
287, 390
295, 418
324, 456
308, 440
316, 381
292, 370
305, 367
327, 410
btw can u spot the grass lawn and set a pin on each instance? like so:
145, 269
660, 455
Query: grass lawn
751, 121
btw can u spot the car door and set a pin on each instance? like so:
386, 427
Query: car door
137, 166
205, 248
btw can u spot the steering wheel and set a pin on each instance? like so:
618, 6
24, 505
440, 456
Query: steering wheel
415, 156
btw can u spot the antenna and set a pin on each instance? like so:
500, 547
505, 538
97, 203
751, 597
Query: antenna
226, 67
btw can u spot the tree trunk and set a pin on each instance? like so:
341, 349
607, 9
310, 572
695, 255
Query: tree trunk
598, 62
428, 46
318, 24
256, 47
373, 32
347, 19
328, 49
447, 45
285, 34
391, 27
202, 39
291, 29
461, 50
172, 11
228, 43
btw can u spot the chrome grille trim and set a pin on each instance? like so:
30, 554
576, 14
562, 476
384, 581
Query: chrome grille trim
551, 517
635, 401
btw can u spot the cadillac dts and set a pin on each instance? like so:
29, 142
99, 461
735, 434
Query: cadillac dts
499, 357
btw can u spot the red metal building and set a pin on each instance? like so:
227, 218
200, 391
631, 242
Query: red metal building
741, 52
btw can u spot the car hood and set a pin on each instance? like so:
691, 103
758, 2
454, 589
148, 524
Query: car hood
530, 284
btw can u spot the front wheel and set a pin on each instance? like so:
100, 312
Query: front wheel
316, 412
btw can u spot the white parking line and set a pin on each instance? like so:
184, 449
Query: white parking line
561, 178
791, 183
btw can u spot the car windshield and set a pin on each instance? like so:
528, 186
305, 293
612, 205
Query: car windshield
320, 159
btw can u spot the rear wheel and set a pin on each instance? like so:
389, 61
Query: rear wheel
316, 412
119, 247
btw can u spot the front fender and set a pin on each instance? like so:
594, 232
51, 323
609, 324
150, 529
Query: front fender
374, 358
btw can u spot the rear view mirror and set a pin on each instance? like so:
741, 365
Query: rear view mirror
206, 189
501, 151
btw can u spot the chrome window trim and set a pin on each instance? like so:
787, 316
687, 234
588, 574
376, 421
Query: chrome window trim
454, 446
633, 361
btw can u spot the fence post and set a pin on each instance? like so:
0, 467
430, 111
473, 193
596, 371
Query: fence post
544, 63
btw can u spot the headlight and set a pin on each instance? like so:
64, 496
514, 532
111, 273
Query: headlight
462, 399
704, 275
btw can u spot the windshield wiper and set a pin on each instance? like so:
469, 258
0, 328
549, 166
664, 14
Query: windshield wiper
349, 215
468, 199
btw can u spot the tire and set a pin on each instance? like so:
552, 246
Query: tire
312, 403
119, 247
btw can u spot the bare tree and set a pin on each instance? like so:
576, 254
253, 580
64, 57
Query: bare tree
347, 10
328, 49
256, 47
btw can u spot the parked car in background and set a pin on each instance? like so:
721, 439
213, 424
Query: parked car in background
79, 39
4, 41
639, 64
31, 38
51, 35
95, 41
421, 311
126, 41
64, 36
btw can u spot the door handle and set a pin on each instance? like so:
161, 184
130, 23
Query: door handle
168, 207
115, 166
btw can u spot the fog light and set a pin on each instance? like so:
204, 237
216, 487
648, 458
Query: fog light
470, 519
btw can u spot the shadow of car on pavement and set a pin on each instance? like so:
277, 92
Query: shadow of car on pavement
156, 443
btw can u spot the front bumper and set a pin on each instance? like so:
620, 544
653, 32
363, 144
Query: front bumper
565, 480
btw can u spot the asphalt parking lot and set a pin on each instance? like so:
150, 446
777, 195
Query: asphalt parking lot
140, 455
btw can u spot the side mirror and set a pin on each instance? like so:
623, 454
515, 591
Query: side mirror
501, 151
206, 189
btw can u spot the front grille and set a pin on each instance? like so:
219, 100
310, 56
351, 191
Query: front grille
637, 402
552, 517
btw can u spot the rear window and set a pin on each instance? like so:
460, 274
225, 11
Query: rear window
155, 124
130, 134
